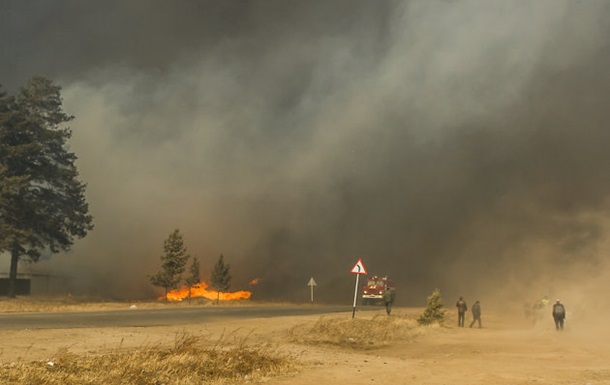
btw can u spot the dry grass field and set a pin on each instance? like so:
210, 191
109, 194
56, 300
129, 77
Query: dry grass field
372, 348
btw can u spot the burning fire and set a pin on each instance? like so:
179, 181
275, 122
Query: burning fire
255, 281
200, 290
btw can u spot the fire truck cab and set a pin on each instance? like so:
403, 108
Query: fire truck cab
373, 289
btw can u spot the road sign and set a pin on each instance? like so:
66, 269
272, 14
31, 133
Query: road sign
358, 268
312, 284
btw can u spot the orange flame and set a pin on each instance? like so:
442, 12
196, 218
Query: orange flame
200, 290
255, 281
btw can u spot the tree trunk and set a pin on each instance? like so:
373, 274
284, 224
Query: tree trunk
12, 278
217, 297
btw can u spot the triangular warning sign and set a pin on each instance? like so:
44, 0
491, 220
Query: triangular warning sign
358, 268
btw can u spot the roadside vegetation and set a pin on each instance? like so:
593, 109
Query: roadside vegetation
358, 333
191, 360
198, 359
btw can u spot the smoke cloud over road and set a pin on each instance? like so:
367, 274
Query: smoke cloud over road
451, 144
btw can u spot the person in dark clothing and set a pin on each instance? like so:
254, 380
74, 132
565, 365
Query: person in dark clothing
476, 313
559, 315
388, 299
462, 308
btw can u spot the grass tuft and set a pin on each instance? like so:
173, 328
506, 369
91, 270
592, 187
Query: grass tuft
357, 333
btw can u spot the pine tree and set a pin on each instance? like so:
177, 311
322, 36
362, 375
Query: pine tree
173, 262
434, 311
194, 277
221, 279
43, 203
9, 188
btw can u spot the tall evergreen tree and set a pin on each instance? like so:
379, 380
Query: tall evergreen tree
220, 279
173, 263
194, 275
44, 207
9, 187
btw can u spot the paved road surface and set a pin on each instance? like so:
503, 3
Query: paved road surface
152, 317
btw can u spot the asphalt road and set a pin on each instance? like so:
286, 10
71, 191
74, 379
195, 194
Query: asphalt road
153, 317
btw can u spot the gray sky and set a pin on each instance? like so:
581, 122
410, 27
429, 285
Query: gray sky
451, 144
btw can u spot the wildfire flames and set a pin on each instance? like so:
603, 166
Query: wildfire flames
255, 281
200, 290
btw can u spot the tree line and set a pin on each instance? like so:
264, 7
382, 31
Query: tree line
173, 266
43, 209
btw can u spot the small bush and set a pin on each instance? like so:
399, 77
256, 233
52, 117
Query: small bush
434, 311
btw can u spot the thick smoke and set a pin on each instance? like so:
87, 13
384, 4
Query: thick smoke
459, 145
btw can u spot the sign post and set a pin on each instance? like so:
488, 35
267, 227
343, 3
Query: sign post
357, 269
311, 284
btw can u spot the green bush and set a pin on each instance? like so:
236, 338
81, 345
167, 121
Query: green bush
434, 310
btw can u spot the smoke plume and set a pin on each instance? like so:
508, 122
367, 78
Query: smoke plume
459, 145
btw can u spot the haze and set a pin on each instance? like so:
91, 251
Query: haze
451, 144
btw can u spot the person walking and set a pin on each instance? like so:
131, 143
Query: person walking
476, 313
388, 299
559, 314
462, 308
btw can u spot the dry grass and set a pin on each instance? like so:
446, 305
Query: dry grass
190, 361
358, 333
41, 304
73, 303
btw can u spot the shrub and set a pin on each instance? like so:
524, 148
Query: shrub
434, 311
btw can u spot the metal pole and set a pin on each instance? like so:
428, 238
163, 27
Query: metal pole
311, 294
355, 295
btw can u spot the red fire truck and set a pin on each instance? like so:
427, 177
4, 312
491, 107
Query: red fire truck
373, 289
